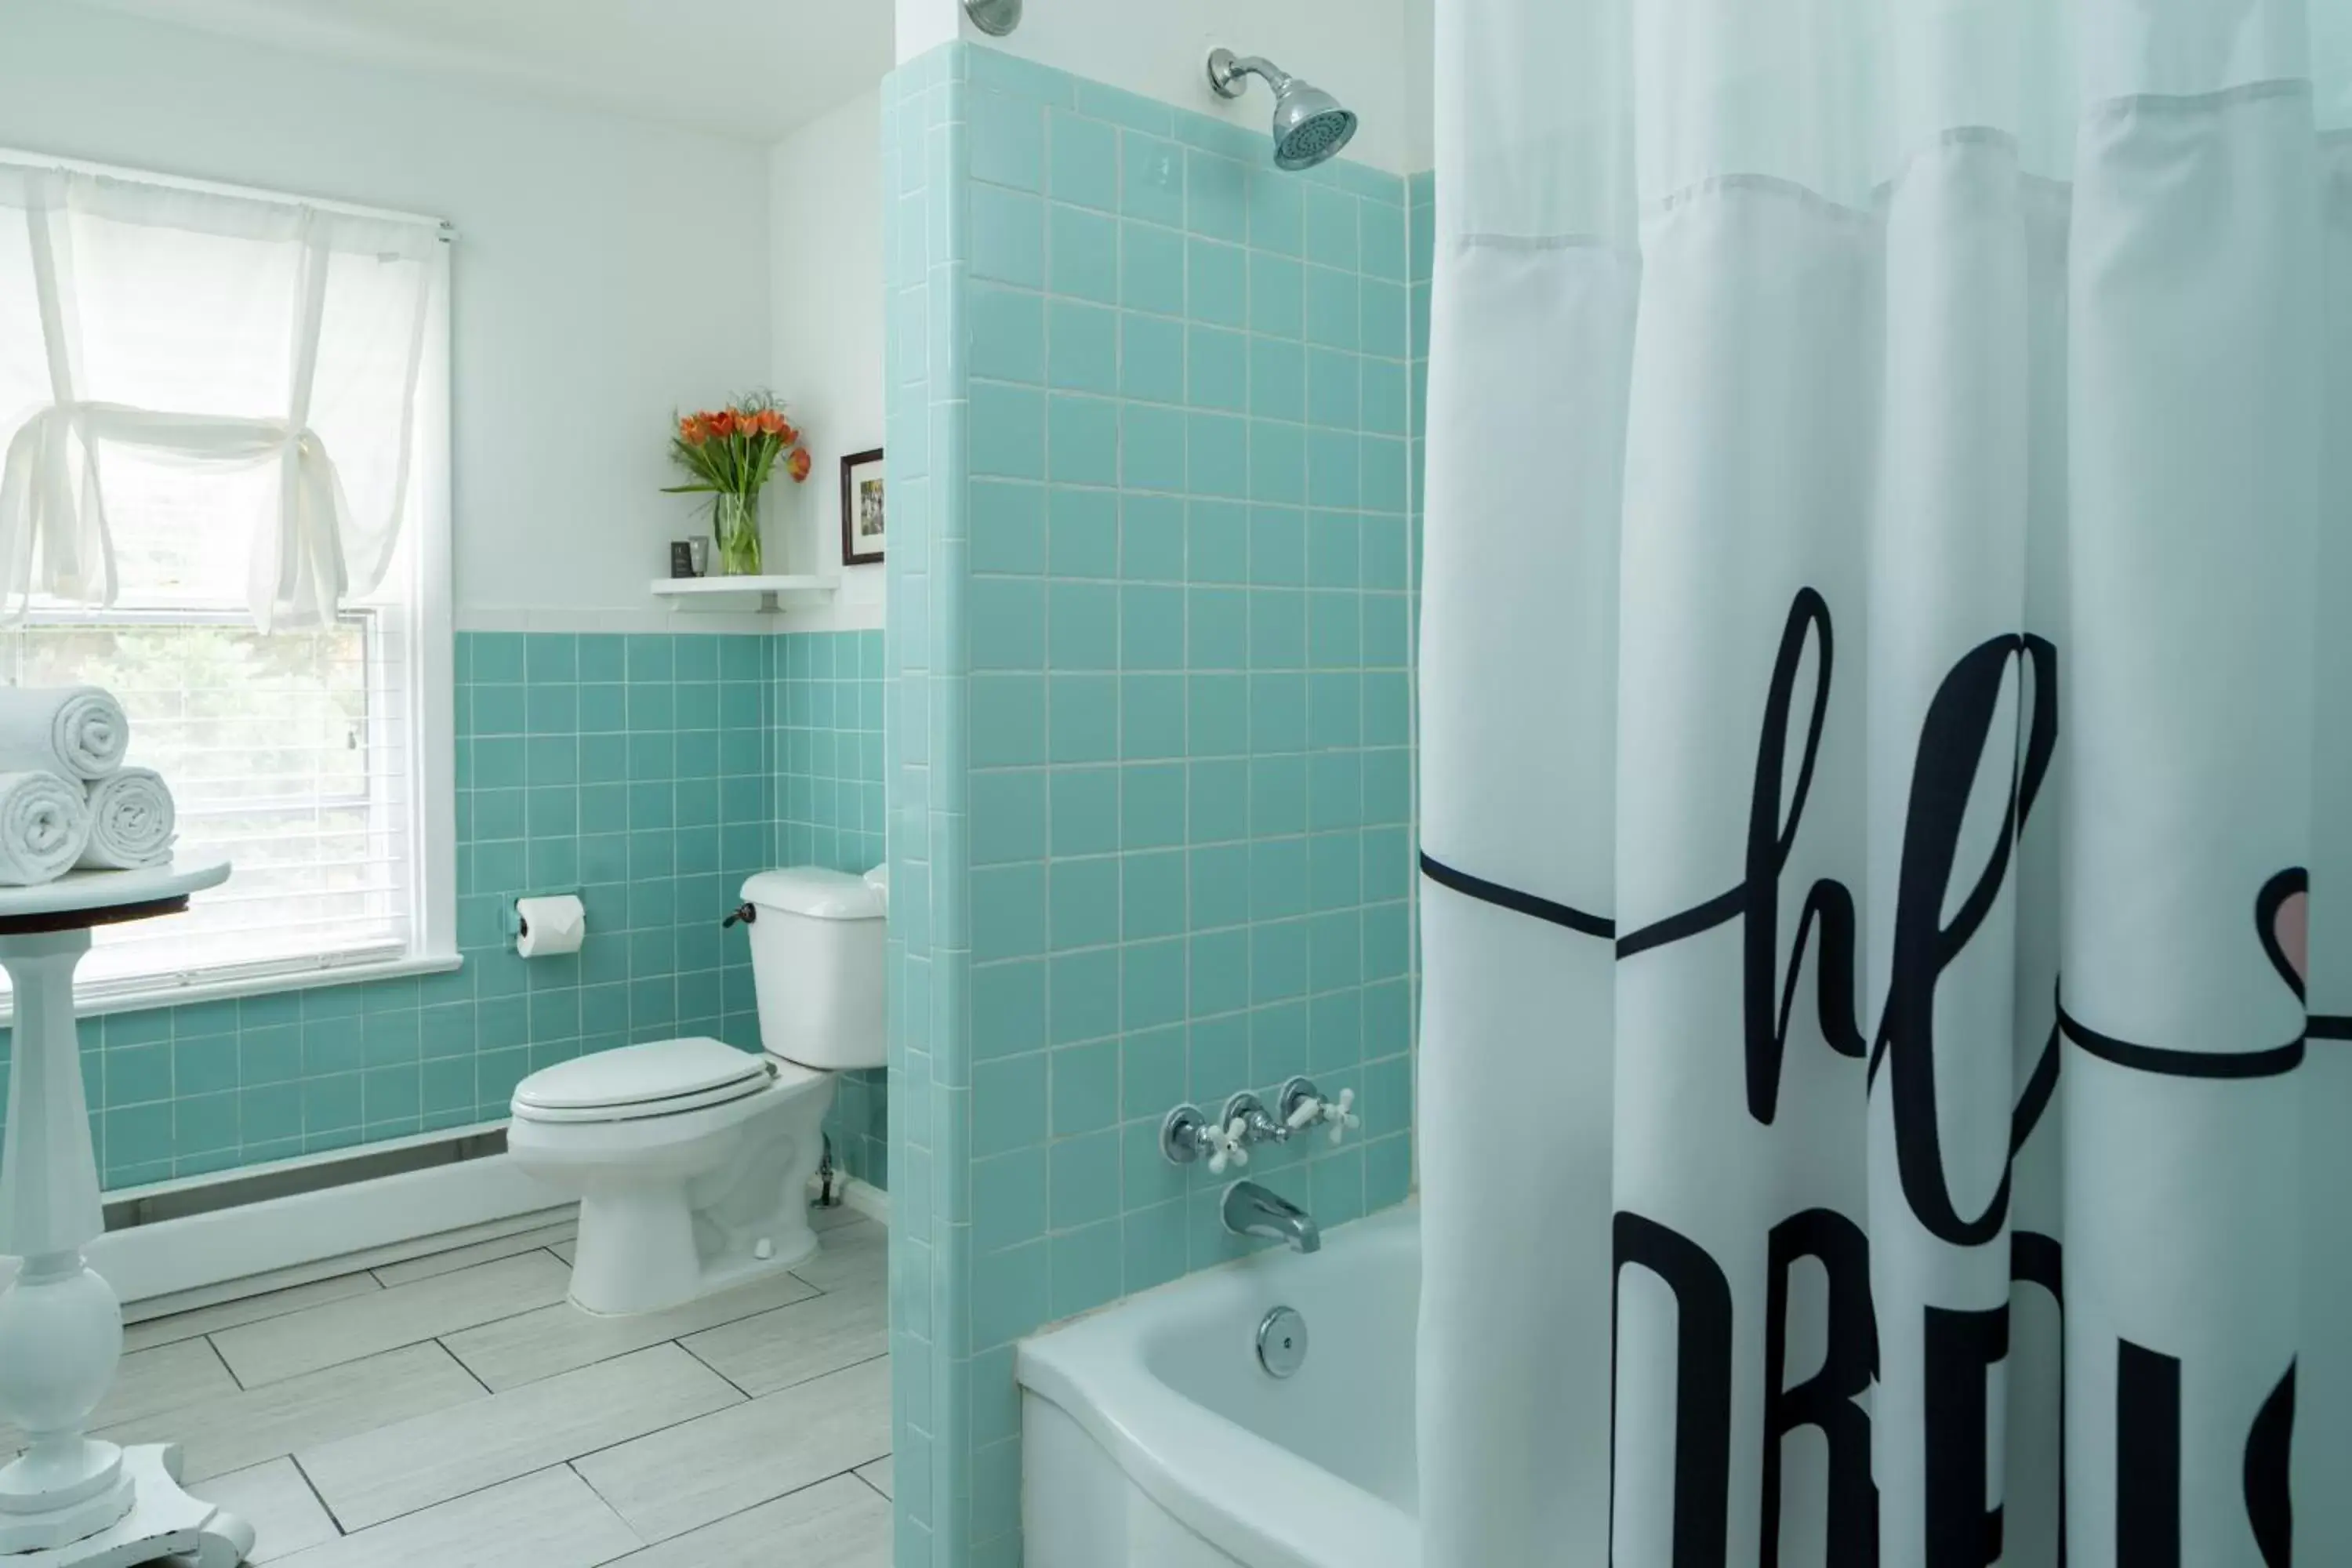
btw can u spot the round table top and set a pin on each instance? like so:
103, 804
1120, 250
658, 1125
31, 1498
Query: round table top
98, 890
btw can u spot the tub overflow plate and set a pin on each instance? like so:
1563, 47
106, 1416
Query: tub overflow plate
1282, 1341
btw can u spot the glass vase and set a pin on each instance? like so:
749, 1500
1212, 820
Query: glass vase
736, 521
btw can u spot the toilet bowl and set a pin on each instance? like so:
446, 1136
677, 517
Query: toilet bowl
691, 1159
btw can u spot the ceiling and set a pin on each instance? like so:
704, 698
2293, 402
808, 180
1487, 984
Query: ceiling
753, 69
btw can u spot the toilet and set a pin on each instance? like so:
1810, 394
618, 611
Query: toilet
692, 1159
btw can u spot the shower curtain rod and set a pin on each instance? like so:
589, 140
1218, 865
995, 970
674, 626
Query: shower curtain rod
448, 230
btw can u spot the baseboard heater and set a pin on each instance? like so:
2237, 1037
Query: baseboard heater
234, 1189
179, 1245
183, 1244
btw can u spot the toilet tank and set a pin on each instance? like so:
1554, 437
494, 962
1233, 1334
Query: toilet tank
816, 966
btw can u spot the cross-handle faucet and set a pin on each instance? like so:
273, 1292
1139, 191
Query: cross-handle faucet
1303, 1106
1251, 1210
1187, 1134
1258, 1126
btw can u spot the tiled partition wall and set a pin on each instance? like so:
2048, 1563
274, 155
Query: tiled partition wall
1150, 740
1421, 241
827, 709
647, 771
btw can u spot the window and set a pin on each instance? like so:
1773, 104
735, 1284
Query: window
255, 559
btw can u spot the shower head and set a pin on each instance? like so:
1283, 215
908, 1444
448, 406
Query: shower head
1309, 124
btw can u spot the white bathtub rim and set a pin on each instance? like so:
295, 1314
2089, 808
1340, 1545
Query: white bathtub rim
1329, 1523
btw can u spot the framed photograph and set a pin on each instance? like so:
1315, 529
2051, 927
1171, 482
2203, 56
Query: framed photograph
864, 524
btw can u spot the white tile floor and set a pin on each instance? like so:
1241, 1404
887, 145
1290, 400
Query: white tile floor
455, 1409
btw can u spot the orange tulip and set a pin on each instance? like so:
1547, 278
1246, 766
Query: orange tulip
690, 431
787, 432
771, 422
797, 465
722, 424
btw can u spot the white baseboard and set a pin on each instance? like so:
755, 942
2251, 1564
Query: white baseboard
178, 1265
866, 1199
332, 1230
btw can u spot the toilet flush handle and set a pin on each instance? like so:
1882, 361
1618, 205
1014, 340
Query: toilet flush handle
746, 914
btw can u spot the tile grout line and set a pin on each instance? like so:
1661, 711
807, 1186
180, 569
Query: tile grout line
315, 1495
439, 1341
389, 1520
737, 1513
472, 1492
677, 1340
573, 1465
266, 1317
442, 1345
235, 1380
498, 1317
721, 1376
798, 1381
747, 1399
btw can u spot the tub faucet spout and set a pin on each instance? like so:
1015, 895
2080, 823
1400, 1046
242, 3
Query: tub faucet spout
1251, 1210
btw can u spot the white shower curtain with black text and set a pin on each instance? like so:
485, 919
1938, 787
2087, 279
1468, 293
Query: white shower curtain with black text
1886, 694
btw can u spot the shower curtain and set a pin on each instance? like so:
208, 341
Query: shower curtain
1887, 1075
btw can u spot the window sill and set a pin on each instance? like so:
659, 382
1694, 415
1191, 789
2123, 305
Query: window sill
253, 986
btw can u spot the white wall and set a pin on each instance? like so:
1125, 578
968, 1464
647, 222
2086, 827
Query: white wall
1357, 49
1421, 85
606, 272
825, 265
922, 25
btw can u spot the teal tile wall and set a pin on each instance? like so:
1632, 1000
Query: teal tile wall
828, 767
828, 739
645, 770
926, 721
1422, 216
1419, 260
1151, 751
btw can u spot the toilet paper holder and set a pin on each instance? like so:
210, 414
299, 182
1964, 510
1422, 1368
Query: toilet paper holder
511, 912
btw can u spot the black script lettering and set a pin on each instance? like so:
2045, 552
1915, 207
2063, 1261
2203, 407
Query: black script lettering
1962, 1348
1827, 1399
1952, 742
1702, 1382
2147, 1458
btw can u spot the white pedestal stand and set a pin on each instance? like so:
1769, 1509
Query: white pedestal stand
70, 1501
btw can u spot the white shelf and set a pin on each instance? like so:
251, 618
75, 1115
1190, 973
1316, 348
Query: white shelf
773, 592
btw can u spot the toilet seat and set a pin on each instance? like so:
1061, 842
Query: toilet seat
660, 1078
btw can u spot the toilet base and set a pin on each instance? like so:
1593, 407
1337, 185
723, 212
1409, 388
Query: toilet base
677, 1207
623, 1266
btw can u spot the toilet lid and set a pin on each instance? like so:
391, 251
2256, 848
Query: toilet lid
706, 1070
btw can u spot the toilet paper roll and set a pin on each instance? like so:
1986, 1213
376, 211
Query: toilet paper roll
555, 924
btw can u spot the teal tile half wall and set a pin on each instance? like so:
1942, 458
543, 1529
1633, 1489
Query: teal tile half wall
827, 709
653, 772
1149, 749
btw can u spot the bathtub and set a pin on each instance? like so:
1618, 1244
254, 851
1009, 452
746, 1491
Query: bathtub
1151, 1438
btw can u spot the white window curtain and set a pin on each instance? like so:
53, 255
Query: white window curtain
265, 346
1886, 748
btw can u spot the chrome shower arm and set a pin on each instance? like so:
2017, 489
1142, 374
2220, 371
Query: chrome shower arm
1227, 70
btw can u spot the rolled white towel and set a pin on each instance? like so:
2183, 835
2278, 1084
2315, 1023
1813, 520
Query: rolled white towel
76, 731
132, 822
44, 822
